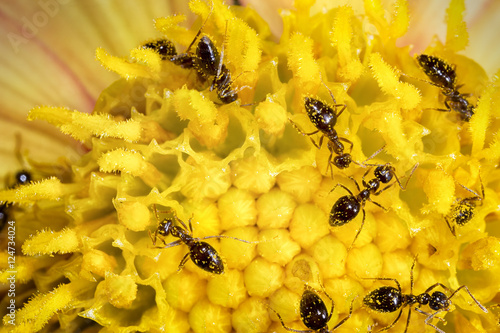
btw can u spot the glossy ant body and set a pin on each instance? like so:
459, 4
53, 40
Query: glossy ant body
201, 253
443, 76
209, 63
314, 313
324, 117
162, 46
389, 299
346, 208
22, 177
463, 210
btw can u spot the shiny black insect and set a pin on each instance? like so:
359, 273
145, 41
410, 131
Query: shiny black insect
201, 253
389, 299
209, 63
324, 117
314, 313
4, 216
162, 46
444, 76
22, 177
463, 210
347, 207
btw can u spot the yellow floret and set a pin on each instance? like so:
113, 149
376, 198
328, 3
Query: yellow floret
208, 317
482, 254
275, 209
133, 215
97, 262
401, 19
440, 190
227, 290
253, 174
457, 37
251, 314
406, 95
341, 36
38, 311
271, 117
365, 262
50, 242
262, 277
130, 162
237, 209
184, 289
120, 290
301, 62
308, 225
277, 246
48, 189
131, 70
83, 127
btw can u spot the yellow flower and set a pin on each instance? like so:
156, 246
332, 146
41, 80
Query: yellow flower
166, 144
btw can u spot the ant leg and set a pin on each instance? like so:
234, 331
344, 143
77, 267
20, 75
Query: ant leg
286, 327
153, 239
376, 203
411, 273
451, 227
221, 58
183, 262
308, 134
229, 237
356, 183
183, 224
393, 323
407, 319
359, 231
348, 316
172, 244
437, 109
442, 286
409, 177
386, 279
349, 142
430, 317
331, 300
403, 187
345, 188
201, 28
335, 105
470, 294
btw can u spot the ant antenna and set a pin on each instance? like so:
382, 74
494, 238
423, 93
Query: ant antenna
201, 28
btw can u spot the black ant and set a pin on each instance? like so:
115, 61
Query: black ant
389, 299
22, 177
443, 76
463, 210
324, 117
314, 313
347, 207
162, 46
209, 63
201, 253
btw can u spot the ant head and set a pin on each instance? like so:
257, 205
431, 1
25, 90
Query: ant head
384, 173
165, 227
342, 161
23, 177
439, 301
